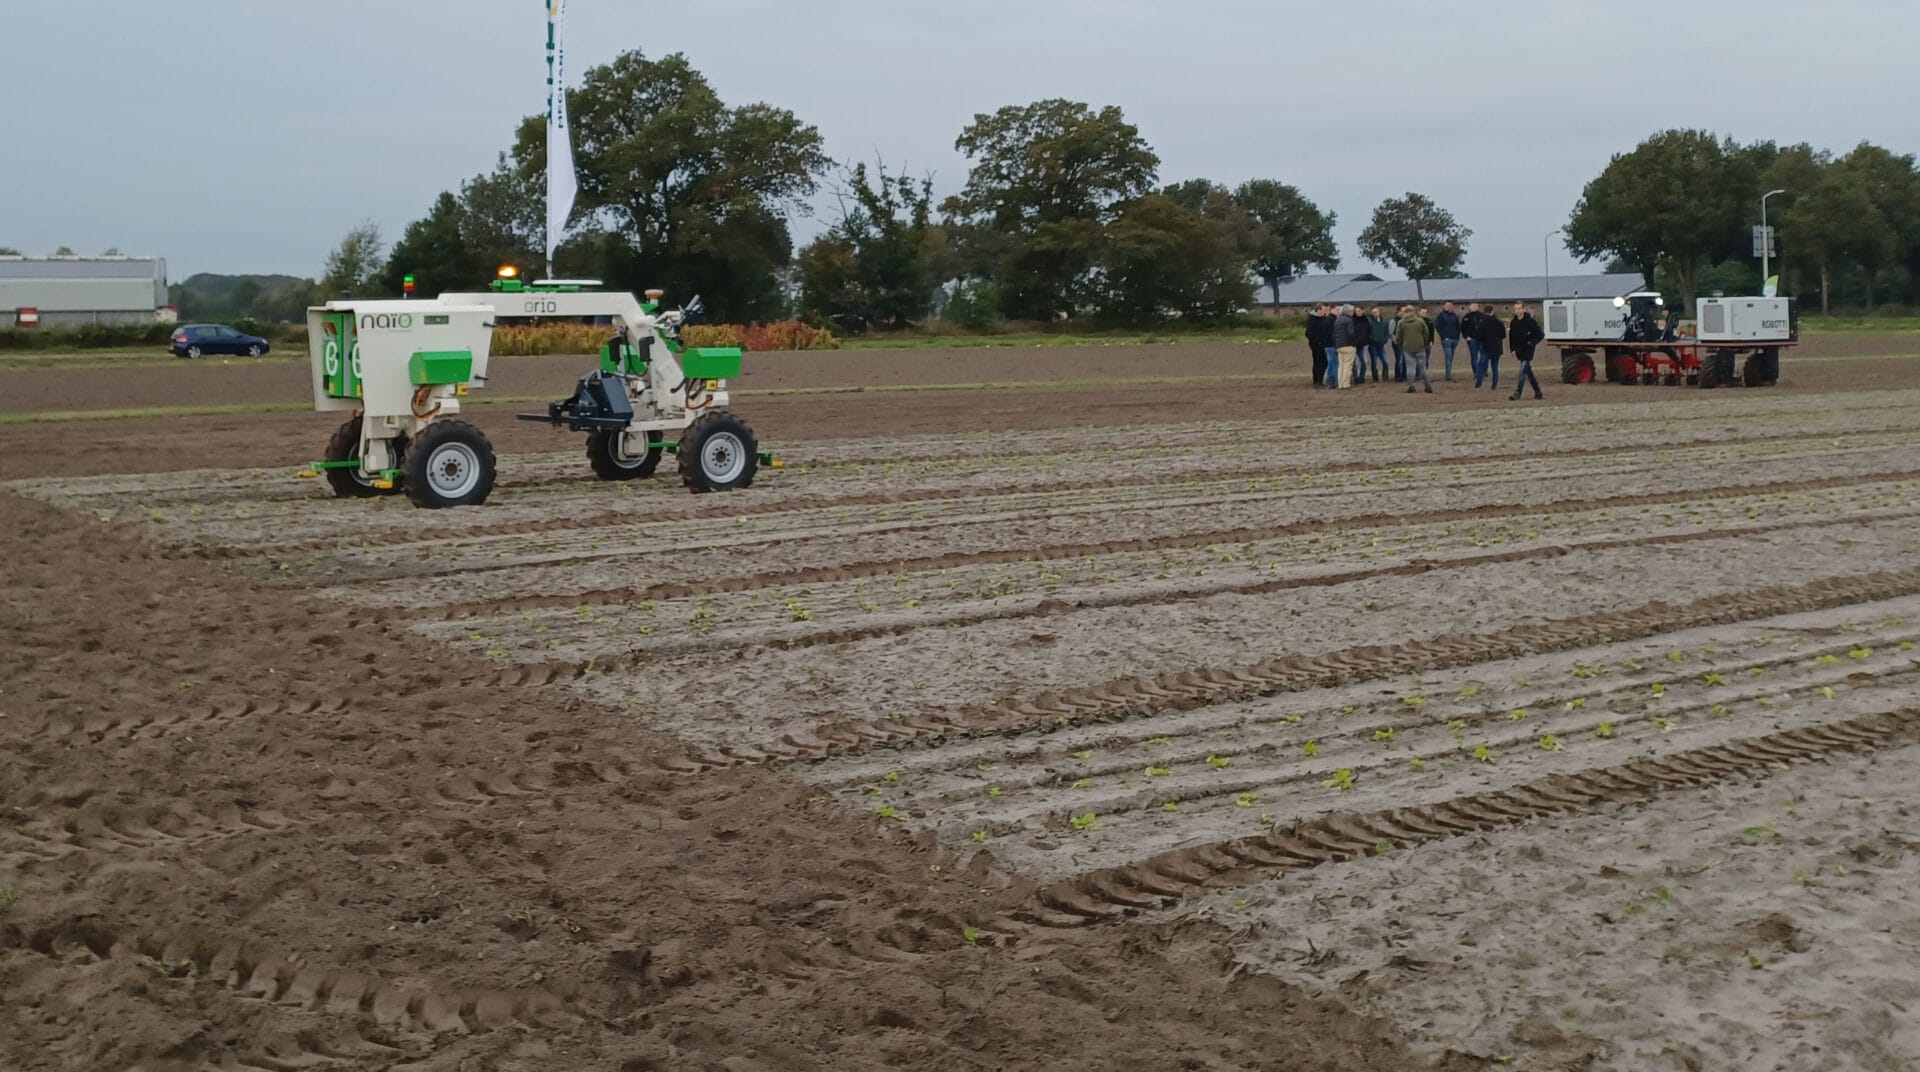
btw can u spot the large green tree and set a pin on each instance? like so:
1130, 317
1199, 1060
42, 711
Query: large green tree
353, 268
1162, 258
1833, 222
676, 189
1416, 236
1680, 196
878, 266
1044, 179
1296, 234
1892, 186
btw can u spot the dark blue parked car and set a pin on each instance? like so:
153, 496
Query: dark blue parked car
198, 340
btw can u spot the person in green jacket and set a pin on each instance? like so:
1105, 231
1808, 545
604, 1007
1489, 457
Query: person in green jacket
1415, 339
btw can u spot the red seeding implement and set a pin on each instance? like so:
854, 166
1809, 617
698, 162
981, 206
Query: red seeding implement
1736, 340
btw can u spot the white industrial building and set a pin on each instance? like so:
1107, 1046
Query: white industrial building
1366, 290
66, 292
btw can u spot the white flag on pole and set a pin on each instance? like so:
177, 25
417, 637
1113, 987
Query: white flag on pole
561, 183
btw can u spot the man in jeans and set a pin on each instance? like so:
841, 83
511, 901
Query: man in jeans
1523, 335
1470, 330
1493, 336
1415, 340
1448, 328
1346, 342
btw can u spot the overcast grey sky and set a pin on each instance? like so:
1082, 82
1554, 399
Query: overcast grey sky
248, 135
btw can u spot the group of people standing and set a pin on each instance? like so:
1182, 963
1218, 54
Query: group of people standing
1349, 342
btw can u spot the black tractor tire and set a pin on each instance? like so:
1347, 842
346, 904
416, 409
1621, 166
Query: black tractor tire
717, 452
609, 463
1572, 362
350, 483
1763, 368
1611, 356
450, 463
1716, 368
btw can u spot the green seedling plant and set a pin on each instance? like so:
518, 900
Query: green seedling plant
1826, 692
1245, 800
1483, 754
1457, 725
1417, 763
1576, 703
1311, 748
1469, 692
1664, 725
1382, 847
1083, 783
980, 837
1084, 822
1219, 762
995, 791
1713, 680
890, 776
1413, 701
1383, 735
1604, 729
886, 811
1860, 653
1718, 709
971, 936
1156, 771
1517, 714
1342, 780
1549, 743
1169, 806
1826, 660
1082, 754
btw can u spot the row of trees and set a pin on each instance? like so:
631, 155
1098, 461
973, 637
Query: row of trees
1063, 215
1681, 206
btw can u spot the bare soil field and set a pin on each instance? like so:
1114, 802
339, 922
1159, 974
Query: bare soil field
1109, 725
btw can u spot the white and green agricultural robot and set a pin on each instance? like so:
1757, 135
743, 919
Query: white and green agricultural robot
403, 366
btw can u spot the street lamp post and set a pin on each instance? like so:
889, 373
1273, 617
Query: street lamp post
1546, 263
1766, 241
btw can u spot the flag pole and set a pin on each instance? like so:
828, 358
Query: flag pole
561, 182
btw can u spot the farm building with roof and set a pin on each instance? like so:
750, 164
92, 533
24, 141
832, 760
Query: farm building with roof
1363, 289
63, 292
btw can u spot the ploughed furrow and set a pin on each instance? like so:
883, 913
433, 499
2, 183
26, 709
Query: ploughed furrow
650, 508
1346, 722
1064, 551
1488, 746
191, 956
110, 727
1113, 893
210, 527
1133, 697
1058, 605
1026, 517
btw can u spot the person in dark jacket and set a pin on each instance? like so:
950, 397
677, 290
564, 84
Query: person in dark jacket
1523, 335
1493, 337
1470, 330
1380, 332
1319, 341
1447, 327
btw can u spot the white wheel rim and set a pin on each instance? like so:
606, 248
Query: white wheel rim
722, 457
625, 460
453, 470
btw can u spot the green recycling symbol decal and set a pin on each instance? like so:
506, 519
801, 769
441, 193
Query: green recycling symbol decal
333, 356
356, 360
